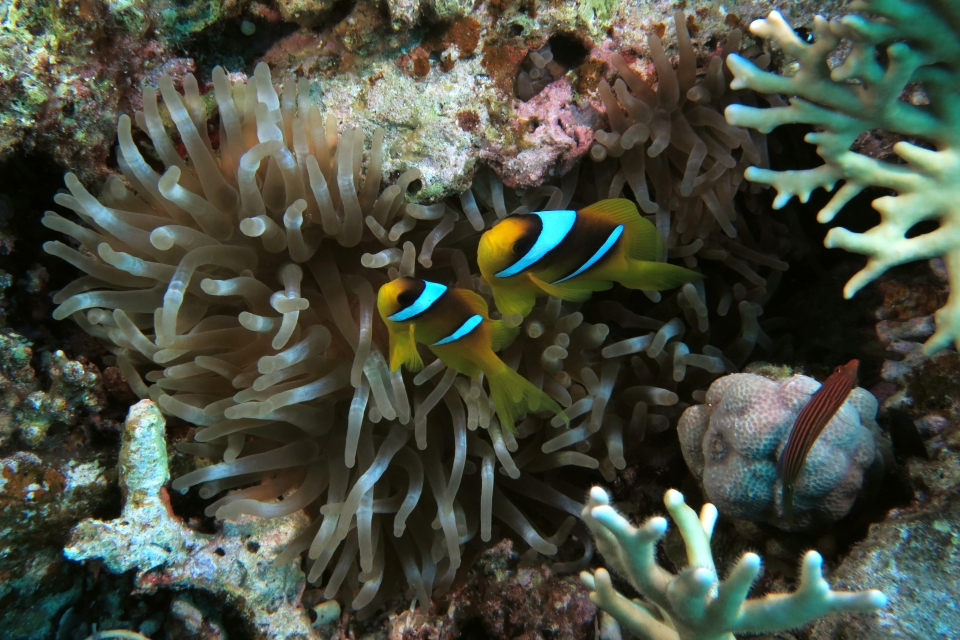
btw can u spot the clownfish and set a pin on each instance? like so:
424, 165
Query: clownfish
571, 254
815, 415
455, 325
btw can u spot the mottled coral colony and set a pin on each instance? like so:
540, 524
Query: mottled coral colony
237, 288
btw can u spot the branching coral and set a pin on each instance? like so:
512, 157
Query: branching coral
891, 46
695, 604
149, 538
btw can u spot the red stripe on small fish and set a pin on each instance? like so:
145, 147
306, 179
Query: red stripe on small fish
814, 416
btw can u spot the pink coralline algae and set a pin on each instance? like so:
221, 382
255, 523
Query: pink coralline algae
553, 132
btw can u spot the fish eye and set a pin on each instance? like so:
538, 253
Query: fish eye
407, 298
522, 245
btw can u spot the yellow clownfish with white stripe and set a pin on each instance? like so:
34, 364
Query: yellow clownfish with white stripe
571, 254
455, 325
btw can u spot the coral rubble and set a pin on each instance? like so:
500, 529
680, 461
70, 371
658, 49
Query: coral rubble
148, 537
40, 499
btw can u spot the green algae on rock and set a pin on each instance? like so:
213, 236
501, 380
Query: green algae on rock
29, 411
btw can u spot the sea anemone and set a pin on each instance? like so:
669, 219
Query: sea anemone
237, 291
684, 165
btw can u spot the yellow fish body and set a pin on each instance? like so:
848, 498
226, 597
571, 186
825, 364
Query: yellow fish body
571, 254
455, 325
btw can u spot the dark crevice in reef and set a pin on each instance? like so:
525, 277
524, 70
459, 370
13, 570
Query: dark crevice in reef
826, 329
569, 50
30, 182
223, 43
97, 604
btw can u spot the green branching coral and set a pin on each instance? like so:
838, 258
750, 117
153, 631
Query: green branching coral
694, 604
893, 44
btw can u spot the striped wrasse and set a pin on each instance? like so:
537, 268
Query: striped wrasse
814, 416
571, 254
455, 325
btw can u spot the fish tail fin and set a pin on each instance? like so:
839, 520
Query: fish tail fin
656, 276
403, 350
501, 334
513, 395
788, 504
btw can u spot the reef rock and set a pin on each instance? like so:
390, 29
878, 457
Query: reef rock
732, 444
914, 551
236, 564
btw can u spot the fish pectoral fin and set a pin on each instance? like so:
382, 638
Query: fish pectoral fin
513, 395
501, 335
656, 276
512, 298
571, 290
403, 350
641, 239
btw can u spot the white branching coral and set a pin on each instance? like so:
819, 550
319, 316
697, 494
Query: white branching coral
695, 604
892, 45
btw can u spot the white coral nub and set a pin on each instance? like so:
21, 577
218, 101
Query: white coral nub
694, 604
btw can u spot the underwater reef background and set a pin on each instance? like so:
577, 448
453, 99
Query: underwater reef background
488, 96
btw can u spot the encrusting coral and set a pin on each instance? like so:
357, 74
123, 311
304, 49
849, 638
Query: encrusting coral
695, 604
732, 444
891, 46
28, 411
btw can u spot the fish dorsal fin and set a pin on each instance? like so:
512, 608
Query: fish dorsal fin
641, 239
473, 300
502, 335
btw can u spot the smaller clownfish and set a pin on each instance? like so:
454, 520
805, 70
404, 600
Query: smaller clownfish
810, 422
455, 325
571, 254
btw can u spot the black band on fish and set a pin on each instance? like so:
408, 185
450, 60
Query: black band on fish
556, 226
602, 251
430, 294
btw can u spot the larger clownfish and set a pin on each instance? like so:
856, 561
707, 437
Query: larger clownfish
455, 325
571, 254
